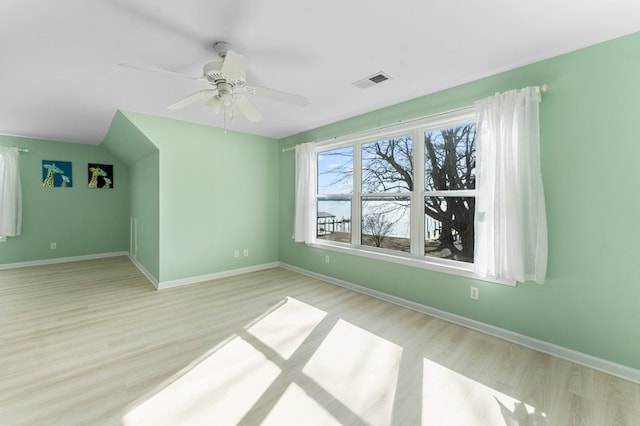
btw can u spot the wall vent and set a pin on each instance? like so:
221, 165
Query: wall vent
372, 80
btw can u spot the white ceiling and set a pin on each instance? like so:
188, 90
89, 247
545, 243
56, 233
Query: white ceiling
60, 78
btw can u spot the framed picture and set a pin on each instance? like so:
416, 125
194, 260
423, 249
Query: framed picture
100, 176
56, 174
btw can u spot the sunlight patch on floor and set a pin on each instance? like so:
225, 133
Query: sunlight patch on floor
359, 369
224, 386
273, 373
451, 398
296, 407
284, 329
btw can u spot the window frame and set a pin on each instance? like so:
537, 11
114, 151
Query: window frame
416, 256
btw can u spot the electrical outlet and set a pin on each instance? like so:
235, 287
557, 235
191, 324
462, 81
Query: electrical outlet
326, 259
474, 293
54, 246
236, 253
246, 252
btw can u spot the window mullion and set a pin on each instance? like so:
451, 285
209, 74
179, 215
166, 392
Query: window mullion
356, 201
417, 197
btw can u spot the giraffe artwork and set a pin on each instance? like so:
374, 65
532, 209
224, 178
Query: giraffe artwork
100, 176
56, 174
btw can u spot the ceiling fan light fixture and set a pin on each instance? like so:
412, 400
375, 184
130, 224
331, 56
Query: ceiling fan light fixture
226, 99
214, 103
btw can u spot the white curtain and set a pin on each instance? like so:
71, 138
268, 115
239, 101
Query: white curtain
304, 219
10, 194
510, 223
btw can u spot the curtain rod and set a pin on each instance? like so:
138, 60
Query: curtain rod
543, 88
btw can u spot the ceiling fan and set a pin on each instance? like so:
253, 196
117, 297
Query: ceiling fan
229, 90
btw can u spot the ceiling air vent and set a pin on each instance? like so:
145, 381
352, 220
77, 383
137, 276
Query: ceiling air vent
374, 79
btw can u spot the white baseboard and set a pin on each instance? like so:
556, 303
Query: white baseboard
580, 358
217, 275
61, 260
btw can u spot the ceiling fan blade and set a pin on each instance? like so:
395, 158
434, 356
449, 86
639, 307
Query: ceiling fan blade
159, 70
278, 95
247, 109
193, 98
234, 65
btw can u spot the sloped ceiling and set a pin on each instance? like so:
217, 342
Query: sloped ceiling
126, 141
61, 79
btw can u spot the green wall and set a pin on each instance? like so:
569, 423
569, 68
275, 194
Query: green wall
218, 192
129, 144
145, 209
81, 221
589, 302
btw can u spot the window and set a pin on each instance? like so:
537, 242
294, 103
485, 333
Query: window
335, 192
386, 182
407, 193
449, 185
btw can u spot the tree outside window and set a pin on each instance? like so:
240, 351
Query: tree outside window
450, 166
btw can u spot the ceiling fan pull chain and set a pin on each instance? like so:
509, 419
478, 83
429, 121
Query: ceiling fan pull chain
225, 120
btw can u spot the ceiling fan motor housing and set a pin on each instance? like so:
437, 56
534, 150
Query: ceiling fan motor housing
221, 48
211, 71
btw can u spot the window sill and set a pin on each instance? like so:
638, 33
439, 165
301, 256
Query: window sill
444, 266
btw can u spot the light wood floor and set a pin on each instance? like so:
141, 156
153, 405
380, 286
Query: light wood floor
93, 343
